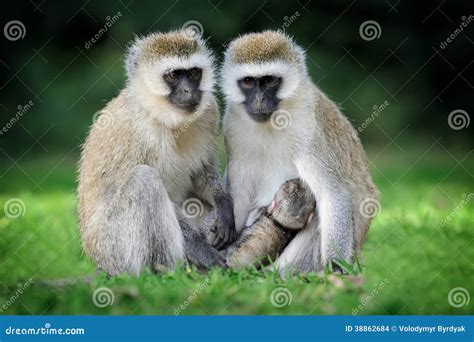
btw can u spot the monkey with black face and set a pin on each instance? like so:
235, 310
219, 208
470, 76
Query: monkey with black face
152, 148
280, 126
290, 211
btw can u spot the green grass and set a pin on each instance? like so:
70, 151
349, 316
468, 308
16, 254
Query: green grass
410, 262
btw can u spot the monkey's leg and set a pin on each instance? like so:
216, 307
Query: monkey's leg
137, 226
303, 253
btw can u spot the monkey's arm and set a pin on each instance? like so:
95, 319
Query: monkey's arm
334, 209
208, 186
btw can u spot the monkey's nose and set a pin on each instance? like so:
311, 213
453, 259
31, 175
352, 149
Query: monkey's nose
186, 90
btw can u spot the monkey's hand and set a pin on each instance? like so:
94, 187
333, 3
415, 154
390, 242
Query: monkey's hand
200, 253
224, 233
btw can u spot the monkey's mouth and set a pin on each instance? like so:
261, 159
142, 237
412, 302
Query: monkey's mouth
187, 107
261, 116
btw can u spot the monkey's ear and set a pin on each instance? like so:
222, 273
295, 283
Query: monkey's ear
131, 61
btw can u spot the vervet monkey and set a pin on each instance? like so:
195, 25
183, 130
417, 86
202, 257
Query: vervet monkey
290, 211
152, 148
278, 126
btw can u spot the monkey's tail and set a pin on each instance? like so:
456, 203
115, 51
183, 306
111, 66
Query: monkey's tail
65, 282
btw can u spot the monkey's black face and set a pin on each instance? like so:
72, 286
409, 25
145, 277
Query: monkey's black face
184, 86
260, 96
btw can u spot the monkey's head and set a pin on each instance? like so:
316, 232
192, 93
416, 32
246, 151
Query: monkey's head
262, 70
293, 205
171, 74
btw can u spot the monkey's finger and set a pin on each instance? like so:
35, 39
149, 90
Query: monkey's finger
224, 238
222, 262
227, 233
221, 244
212, 238
232, 236
271, 207
216, 239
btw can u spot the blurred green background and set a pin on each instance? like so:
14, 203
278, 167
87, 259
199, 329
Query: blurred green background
414, 69
405, 66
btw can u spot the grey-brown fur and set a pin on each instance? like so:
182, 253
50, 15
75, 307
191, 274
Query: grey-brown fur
262, 242
318, 146
142, 158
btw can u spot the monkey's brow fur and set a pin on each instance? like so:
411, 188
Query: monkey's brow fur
262, 47
179, 43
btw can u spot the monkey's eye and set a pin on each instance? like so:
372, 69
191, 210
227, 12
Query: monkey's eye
271, 80
195, 73
248, 82
171, 75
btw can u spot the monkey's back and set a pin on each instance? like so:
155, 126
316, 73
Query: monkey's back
348, 153
110, 149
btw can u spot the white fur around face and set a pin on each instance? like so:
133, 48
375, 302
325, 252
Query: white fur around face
147, 84
231, 73
153, 72
262, 156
